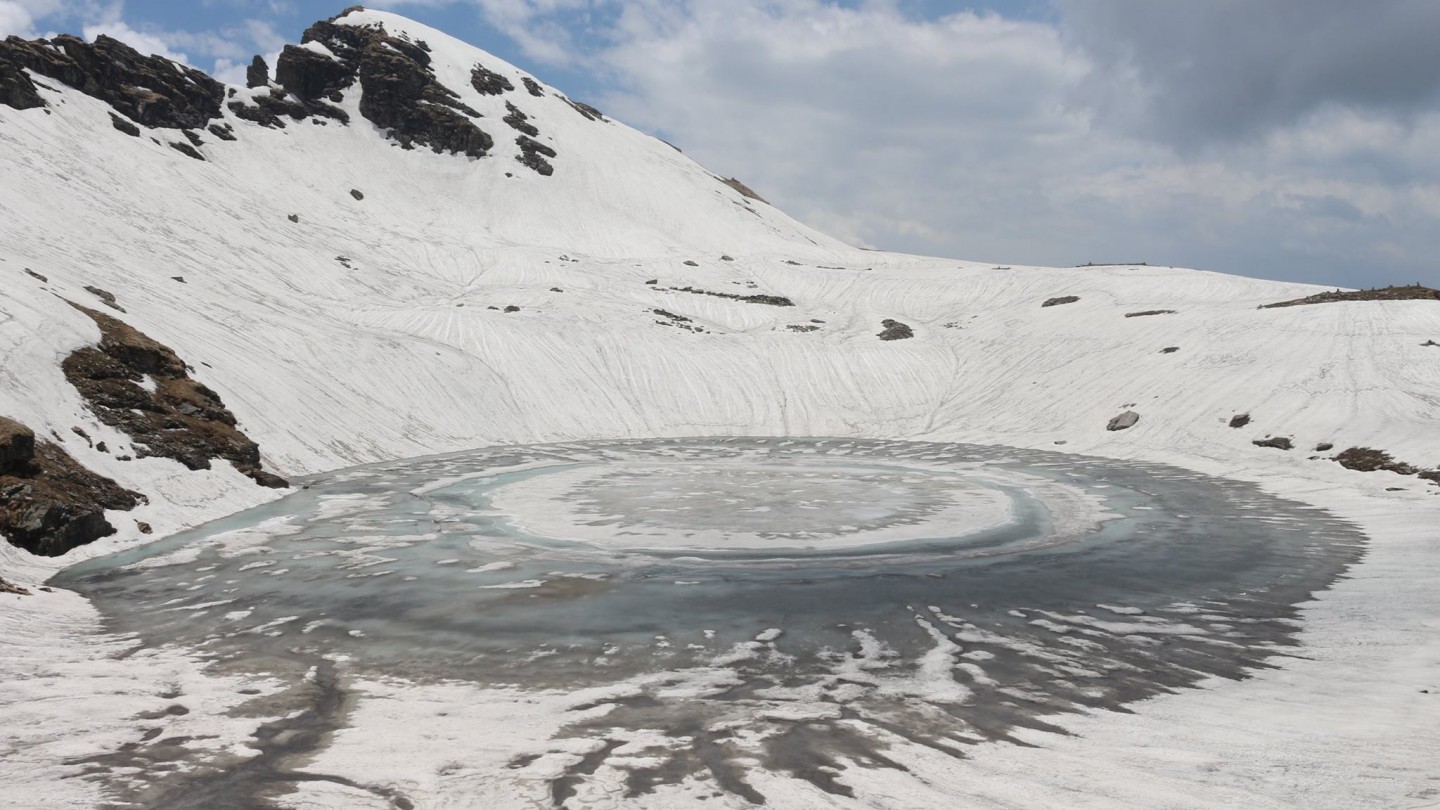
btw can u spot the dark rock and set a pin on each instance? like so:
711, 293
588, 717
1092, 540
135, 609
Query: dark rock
356, 193
1150, 312
106, 297
180, 419
17, 445
745, 191
271, 109
1239, 420
258, 74
144, 527
186, 150
294, 217
895, 330
34, 274
590, 113
102, 447
518, 120
124, 126
1430, 343
1170, 350
150, 90
222, 131
533, 86
180, 279
531, 152
1064, 299
488, 82
1277, 442
556, 289
727, 258
689, 263
49, 504
1368, 459
312, 76
399, 92
803, 327
769, 300
79, 431
16, 88
512, 308
192, 138
1124, 421
1413, 292
1324, 446
653, 281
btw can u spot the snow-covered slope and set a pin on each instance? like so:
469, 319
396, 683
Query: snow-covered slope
345, 328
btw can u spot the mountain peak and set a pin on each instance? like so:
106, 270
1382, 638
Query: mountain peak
517, 159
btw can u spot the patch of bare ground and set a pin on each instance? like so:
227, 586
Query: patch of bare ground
1368, 459
1412, 292
140, 387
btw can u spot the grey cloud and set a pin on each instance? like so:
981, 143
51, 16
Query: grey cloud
1192, 72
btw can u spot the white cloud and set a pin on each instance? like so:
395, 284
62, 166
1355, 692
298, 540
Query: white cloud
18, 17
144, 42
981, 137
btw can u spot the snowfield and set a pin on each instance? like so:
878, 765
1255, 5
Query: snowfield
405, 348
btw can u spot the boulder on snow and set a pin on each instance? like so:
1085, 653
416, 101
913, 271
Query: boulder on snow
1277, 442
1064, 299
895, 330
1239, 420
1124, 421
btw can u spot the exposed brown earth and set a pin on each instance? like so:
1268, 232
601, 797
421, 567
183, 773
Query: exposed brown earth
1368, 459
141, 388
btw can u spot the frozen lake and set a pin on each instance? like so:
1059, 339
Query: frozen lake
947, 593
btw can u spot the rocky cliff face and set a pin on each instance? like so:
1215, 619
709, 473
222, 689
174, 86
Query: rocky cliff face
149, 90
399, 91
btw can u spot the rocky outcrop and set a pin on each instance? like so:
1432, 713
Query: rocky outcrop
745, 191
533, 154
895, 330
1413, 292
533, 87
518, 120
1275, 442
140, 387
1368, 459
16, 89
49, 504
1124, 421
1064, 299
258, 74
149, 90
768, 300
1239, 420
399, 91
488, 82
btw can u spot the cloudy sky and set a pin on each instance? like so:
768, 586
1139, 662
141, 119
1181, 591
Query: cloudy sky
1290, 139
